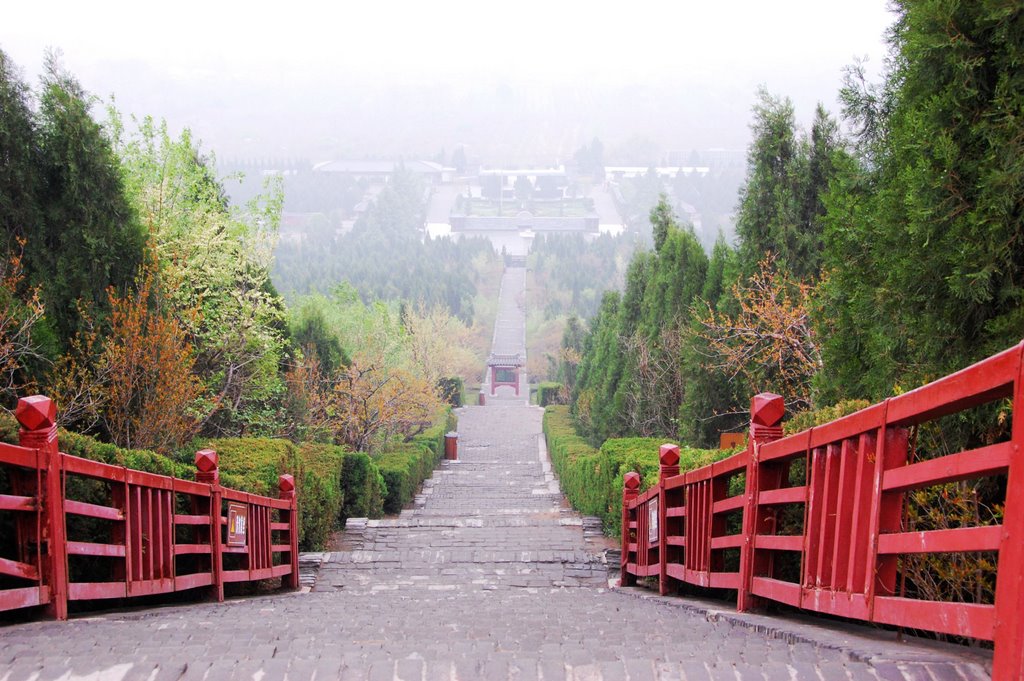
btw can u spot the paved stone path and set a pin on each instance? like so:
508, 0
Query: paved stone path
510, 334
489, 576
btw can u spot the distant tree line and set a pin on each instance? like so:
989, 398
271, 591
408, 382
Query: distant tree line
387, 256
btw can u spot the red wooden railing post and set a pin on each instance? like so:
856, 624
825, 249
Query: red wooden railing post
766, 412
207, 471
286, 490
38, 418
1008, 658
630, 491
668, 459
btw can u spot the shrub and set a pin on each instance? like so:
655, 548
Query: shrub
592, 479
86, 447
451, 388
404, 466
322, 494
810, 418
362, 488
549, 393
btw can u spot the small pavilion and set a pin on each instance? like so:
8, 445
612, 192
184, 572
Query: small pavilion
504, 370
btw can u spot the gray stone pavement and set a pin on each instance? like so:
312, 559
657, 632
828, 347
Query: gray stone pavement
510, 334
489, 576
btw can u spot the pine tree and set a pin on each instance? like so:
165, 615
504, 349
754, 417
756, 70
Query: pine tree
19, 162
926, 237
781, 203
90, 238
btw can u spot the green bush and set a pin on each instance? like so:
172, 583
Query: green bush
86, 447
451, 388
254, 463
592, 479
362, 488
404, 466
549, 393
808, 419
322, 495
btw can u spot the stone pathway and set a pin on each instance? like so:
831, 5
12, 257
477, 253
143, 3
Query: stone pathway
510, 335
494, 519
490, 576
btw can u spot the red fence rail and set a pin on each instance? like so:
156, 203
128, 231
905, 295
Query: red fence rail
698, 528
130, 533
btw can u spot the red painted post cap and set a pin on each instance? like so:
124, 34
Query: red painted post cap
669, 455
206, 460
286, 483
767, 409
632, 480
36, 412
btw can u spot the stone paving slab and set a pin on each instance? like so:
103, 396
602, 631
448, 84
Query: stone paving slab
488, 576
428, 608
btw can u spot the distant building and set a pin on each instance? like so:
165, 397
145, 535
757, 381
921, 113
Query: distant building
671, 172
522, 223
499, 184
379, 171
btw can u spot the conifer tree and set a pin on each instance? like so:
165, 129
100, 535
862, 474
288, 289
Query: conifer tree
19, 162
925, 237
89, 238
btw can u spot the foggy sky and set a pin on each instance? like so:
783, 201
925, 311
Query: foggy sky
522, 80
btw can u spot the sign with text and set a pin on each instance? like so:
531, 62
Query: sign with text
238, 520
652, 520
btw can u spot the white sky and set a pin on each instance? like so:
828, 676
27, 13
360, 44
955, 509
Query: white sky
795, 47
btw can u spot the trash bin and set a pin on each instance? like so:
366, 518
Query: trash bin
483, 398
451, 446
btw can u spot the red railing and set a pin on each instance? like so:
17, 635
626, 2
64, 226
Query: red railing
851, 503
86, 530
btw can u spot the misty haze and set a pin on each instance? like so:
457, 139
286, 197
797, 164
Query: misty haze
474, 323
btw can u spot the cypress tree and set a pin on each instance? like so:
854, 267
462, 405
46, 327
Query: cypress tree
926, 236
90, 238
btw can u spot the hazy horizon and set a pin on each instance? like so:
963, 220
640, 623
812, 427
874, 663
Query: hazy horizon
531, 83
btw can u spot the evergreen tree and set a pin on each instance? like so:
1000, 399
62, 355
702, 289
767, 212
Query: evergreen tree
926, 238
19, 162
715, 403
781, 203
768, 215
90, 238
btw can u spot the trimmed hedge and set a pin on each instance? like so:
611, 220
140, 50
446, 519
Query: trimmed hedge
808, 419
549, 393
332, 484
592, 478
406, 465
87, 447
321, 488
362, 488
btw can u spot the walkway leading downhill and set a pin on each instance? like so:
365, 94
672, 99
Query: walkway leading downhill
489, 576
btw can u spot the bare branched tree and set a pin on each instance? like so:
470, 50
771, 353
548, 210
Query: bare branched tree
770, 343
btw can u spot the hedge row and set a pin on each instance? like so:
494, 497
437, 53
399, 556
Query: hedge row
549, 393
254, 464
592, 478
247, 464
405, 466
87, 447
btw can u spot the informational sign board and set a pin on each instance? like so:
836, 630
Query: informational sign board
652, 520
238, 521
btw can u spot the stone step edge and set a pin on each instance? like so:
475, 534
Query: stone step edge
876, 647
